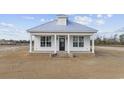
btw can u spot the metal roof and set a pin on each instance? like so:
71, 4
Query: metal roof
53, 27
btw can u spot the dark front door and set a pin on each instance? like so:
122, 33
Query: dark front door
62, 44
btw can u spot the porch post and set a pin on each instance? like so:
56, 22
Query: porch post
92, 43
68, 43
55, 44
30, 50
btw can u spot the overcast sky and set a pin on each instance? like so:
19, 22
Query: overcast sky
14, 26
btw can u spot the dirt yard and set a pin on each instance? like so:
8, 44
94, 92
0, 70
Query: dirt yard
16, 62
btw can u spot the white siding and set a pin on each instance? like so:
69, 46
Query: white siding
86, 44
37, 46
61, 21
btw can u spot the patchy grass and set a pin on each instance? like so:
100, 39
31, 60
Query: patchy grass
16, 62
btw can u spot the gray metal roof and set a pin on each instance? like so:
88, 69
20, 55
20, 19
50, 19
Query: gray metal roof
53, 27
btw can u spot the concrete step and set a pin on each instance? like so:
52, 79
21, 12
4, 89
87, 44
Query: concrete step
62, 55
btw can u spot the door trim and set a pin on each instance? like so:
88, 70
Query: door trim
61, 37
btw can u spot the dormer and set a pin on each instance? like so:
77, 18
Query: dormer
62, 19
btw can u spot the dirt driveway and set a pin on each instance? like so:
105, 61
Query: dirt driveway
16, 62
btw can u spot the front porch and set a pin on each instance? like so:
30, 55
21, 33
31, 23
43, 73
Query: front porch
62, 42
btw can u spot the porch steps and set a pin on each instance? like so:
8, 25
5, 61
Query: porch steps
62, 55
72, 55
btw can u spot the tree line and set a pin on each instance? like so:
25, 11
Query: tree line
112, 41
14, 42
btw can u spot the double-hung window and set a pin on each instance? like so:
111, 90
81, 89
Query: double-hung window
45, 41
81, 41
42, 43
78, 41
75, 41
48, 41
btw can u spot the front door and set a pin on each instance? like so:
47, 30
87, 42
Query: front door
62, 44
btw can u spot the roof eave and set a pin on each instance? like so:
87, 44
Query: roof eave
29, 31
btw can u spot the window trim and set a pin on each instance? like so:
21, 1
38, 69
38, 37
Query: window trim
46, 40
78, 42
75, 41
42, 42
81, 41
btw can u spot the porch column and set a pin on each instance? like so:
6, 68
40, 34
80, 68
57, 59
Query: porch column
30, 50
55, 44
92, 43
68, 43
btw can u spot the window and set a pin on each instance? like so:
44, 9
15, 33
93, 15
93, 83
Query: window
42, 41
81, 41
75, 38
48, 41
78, 41
75, 44
75, 41
45, 41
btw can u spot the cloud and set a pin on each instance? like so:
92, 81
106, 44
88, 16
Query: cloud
84, 20
100, 22
99, 16
28, 17
42, 20
45, 20
10, 31
3, 24
104, 16
109, 15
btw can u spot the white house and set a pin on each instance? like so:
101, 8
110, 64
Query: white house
61, 35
